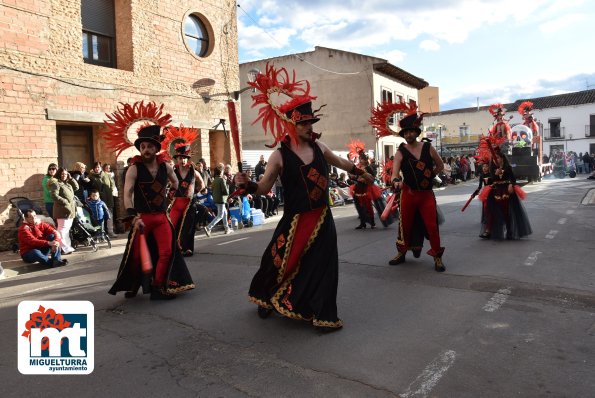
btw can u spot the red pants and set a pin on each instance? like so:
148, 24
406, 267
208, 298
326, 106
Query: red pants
425, 202
158, 225
177, 210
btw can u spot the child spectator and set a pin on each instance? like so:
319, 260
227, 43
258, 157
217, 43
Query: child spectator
98, 208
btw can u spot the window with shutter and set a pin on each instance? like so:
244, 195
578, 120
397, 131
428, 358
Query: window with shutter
99, 32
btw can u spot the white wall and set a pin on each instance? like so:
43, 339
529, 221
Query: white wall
573, 122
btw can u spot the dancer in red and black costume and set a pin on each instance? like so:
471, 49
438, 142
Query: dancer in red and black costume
505, 215
419, 162
362, 192
500, 133
298, 273
183, 210
145, 199
485, 182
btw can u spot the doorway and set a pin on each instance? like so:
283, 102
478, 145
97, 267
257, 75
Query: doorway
75, 144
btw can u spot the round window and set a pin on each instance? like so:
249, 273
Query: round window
196, 35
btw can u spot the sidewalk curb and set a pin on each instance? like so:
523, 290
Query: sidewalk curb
14, 266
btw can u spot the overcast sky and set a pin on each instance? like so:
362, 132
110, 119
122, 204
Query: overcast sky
494, 50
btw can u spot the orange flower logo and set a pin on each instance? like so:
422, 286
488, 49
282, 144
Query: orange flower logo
43, 319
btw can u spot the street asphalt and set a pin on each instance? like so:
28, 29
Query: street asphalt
507, 318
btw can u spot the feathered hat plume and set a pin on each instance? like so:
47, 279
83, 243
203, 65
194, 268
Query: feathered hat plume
525, 107
180, 137
381, 115
274, 118
119, 122
356, 150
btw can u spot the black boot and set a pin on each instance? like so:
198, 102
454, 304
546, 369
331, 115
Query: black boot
372, 225
361, 226
399, 259
132, 292
146, 283
416, 253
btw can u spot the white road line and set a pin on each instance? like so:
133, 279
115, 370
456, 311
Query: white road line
431, 375
497, 300
551, 234
231, 241
42, 288
532, 258
562, 221
569, 211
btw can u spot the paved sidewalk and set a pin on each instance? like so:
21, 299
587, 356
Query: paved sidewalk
12, 265
589, 198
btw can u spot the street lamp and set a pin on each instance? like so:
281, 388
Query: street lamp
252, 73
440, 135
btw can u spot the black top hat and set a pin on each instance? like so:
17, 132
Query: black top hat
150, 134
302, 113
410, 122
183, 150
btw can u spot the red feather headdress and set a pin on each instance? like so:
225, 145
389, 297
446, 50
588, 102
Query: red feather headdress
496, 109
381, 115
271, 116
119, 122
179, 136
356, 147
525, 107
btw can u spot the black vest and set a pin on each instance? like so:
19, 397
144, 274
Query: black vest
184, 183
417, 173
305, 186
149, 192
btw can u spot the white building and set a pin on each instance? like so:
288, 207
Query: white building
568, 121
349, 84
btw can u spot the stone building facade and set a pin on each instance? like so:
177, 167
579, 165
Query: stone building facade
64, 64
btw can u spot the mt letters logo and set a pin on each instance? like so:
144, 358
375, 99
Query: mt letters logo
56, 337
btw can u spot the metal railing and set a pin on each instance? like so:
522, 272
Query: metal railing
554, 134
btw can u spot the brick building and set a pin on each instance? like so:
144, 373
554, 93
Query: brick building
64, 64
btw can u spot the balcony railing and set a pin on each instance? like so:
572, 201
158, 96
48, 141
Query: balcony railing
554, 134
590, 130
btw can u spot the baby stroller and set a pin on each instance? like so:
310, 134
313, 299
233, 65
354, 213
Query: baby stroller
21, 204
85, 231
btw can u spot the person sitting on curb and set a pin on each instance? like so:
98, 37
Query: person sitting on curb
39, 242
